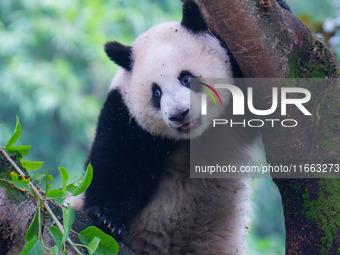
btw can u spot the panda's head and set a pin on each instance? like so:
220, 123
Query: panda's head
155, 78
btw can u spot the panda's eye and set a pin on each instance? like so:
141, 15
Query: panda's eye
185, 78
156, 96
157, 92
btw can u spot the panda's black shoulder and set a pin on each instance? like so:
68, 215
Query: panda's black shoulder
114, 111
119, 137
113, 121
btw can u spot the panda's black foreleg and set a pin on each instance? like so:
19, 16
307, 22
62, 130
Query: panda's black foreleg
107, 198
115, 197
127, 163
120, 190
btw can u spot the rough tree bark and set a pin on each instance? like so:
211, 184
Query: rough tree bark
16, 213
270, 42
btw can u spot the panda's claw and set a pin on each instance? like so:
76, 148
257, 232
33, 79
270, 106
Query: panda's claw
119, 232
108, 223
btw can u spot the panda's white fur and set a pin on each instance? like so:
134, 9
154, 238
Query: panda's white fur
166, 50
182, 215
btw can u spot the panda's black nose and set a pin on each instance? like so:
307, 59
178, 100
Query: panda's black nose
179, 116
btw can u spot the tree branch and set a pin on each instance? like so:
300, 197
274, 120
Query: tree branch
18, 208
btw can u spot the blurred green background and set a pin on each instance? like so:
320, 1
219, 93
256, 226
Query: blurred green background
54, 75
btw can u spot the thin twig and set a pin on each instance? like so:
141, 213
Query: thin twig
39, 218
17, 168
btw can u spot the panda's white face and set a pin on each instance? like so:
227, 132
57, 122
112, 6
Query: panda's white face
158, 90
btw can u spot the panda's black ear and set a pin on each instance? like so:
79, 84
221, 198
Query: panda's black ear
120, 54
193, 19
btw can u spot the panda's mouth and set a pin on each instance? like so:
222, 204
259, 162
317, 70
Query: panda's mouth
186, 126
189, 125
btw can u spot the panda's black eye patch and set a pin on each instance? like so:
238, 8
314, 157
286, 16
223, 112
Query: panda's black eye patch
185, 78
156, 96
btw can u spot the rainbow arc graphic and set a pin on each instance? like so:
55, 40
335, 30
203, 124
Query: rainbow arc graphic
210, 94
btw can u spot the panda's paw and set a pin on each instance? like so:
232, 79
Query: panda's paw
116, 229
109, 224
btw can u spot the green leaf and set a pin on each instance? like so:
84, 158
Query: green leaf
33, 229
68, 219
16, 134
0, 125
48, 178
107, 245
54, 250
64, 178
21, 150
32, 165
71, 188
19, 182
55, 194
57, 236
93, 245
33, 247
35, 195
37, 178
14, 177
85, 182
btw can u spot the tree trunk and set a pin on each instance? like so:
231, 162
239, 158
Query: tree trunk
270, 42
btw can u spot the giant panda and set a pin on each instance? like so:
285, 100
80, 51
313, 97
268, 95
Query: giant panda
141, 192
